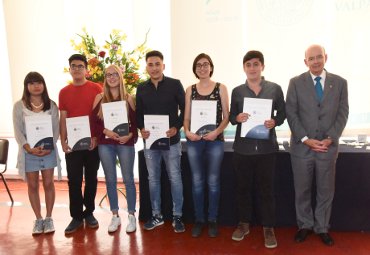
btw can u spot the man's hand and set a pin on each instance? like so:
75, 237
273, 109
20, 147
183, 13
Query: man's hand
270, 123
144, 133
66, 148
318, 146
242, 117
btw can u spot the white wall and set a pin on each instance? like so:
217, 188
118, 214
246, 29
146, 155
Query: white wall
35, 35
6, 125
282, 30
38, 35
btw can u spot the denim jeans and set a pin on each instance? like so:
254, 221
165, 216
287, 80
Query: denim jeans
126, 155
205, 158
172, 159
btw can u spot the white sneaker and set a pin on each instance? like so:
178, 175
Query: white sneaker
114, 224
131, 226
38, 227
48, 225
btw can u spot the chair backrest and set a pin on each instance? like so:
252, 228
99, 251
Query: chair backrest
4, 147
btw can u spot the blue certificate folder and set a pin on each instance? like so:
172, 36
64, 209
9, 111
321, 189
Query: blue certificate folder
205, 129
258, 132
82, 144
161, 144
47, 143
122, 129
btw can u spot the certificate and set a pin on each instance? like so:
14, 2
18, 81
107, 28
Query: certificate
115, 117
78, 133
39, 131
157, 125
203, 116
259, 110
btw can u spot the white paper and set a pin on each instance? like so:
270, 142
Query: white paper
203, 116
78, 133
259, 111
115, 117
39, 131
157, 125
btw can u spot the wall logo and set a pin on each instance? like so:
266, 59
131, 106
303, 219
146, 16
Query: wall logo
284, 12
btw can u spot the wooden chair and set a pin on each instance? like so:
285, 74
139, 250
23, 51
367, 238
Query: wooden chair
4, 148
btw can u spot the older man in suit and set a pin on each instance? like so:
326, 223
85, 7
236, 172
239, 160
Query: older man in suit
317, 112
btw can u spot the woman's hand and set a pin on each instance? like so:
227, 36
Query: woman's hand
192, 136
38, 151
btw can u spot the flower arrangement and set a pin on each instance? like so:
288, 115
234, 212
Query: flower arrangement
112, 53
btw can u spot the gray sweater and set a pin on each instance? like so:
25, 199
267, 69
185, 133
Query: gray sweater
19, 112
250, 146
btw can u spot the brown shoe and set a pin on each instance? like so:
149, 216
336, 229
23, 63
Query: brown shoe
241, 230
270, 240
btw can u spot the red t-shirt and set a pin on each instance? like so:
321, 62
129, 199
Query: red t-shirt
78, 100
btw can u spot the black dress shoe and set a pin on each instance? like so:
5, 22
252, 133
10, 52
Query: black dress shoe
73, 226
91, 222
326, 239
302, 235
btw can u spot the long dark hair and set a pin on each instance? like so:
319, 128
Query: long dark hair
35, 77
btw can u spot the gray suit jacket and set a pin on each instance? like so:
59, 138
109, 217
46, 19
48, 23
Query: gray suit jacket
308, 117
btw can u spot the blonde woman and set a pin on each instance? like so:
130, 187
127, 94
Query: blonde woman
111, 146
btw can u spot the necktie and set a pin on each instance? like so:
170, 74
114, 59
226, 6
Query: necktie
318, 88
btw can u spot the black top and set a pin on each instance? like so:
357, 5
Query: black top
269, 90
215, 95
167, 99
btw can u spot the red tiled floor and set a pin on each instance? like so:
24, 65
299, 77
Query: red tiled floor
16, 225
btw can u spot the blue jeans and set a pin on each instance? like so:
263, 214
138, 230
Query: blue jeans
172, 159
205, 158
126, 155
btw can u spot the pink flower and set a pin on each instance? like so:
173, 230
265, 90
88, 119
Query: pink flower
114, 46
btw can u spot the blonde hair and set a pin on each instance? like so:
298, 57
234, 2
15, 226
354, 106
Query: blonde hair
107, 95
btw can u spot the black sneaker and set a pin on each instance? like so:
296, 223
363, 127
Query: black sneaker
91, 222
177, 224
197, 229
212, 229
154, 222
73, 226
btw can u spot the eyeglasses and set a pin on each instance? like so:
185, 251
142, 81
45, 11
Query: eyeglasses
204, 65
77, 67
111, 75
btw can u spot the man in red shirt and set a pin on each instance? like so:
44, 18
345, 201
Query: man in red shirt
75, 100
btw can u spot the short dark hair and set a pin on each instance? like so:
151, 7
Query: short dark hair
153, 53
254, 54
77, 57
197, 58
30, 78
